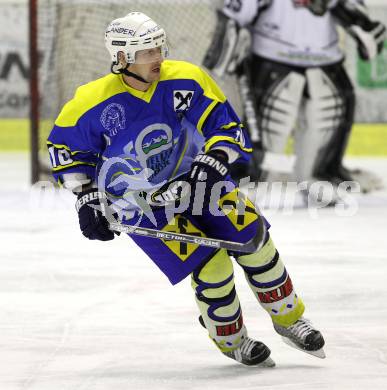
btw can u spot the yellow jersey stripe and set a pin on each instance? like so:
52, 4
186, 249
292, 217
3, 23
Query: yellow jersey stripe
218, 138
205, 115
74, 164
59, 146
232, 124
181, 157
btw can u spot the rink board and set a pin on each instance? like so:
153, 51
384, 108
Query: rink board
366, 139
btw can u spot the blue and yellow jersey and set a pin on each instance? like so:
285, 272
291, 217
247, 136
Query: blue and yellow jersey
160, 130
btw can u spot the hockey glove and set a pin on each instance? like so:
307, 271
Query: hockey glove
369, 35
211, 168
230, 46
92, 207
370, 41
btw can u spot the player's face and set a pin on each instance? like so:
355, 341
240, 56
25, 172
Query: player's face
148, 64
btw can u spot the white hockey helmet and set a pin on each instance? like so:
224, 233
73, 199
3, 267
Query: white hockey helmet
132, 33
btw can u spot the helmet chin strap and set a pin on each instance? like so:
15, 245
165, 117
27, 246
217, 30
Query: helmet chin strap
128, 73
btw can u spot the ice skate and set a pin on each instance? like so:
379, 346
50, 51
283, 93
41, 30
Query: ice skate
303, 336
252, 353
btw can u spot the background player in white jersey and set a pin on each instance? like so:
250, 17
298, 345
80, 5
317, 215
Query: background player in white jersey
296, 73
141, 128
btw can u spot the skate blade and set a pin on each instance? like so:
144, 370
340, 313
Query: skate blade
269, 362
319, 353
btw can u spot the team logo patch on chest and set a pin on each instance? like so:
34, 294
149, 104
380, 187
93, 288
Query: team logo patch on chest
113, 118
182, 99
154, 146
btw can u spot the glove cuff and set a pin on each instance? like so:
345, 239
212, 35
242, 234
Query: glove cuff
88, 196
219, 154
215, 159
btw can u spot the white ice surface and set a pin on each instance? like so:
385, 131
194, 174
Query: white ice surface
77, 314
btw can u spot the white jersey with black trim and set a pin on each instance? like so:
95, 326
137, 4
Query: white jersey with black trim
287, 32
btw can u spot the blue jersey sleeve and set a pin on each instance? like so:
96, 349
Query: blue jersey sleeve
73, 145
71, 152
215, 118
77, 140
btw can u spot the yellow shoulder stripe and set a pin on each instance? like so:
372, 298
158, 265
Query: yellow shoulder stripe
88, 96
171, 70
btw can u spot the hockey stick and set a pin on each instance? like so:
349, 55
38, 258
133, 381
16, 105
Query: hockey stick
248, 247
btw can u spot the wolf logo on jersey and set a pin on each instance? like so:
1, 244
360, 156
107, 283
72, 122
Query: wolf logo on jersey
113, 118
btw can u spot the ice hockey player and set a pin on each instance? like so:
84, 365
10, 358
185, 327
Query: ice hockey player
149, 124
296, 79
